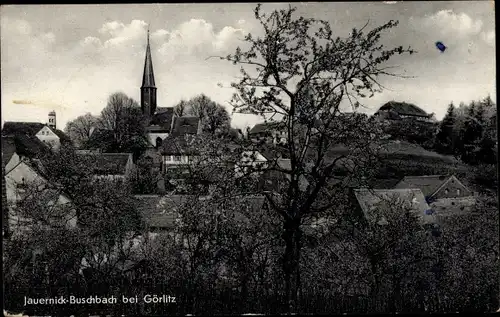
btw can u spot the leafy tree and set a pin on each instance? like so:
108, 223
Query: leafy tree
293, 56
79, 129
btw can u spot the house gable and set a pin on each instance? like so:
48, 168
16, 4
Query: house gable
451, 188
48, 137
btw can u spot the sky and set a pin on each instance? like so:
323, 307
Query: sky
70, 58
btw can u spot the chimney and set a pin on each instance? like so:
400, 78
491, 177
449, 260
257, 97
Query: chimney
52, 119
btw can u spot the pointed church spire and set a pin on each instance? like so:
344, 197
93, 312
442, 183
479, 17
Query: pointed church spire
148, 78
148, 88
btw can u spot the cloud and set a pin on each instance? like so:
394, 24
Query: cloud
448, 22
83, 75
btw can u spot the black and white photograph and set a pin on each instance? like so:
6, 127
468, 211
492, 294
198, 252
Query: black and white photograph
286, 158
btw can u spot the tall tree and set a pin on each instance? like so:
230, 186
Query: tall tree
214, 117
293, 56
79, 129
123, 119
445, 136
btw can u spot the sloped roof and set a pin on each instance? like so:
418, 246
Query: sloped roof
185, 125
110, 163
22, 144
8, 149
63, 137
404, 108
370, 199
28, 128
163, 117
264, 127
427, 184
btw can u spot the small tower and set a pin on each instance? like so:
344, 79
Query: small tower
52, 119
148, 88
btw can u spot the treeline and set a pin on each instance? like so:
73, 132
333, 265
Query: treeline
467, 132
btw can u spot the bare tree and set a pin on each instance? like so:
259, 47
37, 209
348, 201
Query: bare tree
180, 108
301, 74
79, 129
123, 117
214, 117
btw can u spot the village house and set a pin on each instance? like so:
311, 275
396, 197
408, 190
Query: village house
25, 176
446, 195
48, 133
111, 166
393, 110
270, 132
436, 187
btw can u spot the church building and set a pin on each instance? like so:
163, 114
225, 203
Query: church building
162, 120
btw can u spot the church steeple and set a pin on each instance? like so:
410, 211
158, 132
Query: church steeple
148, 88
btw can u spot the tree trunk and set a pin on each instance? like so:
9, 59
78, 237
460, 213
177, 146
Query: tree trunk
375, 291
292, 237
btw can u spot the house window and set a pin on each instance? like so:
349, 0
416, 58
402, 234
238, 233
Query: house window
177, 158
446, 191
458, 191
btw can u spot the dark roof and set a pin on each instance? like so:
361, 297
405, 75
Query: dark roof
110, 163
23, 145
157, 129
28, 128
185, 125
264, 127
404, 108
63, 137
427, 184
164, 109
175, 145
8, 149
163, 117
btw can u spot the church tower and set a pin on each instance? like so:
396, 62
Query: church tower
52, 119
148, 88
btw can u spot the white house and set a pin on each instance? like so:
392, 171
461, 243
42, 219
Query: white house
48, 133
24, 176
